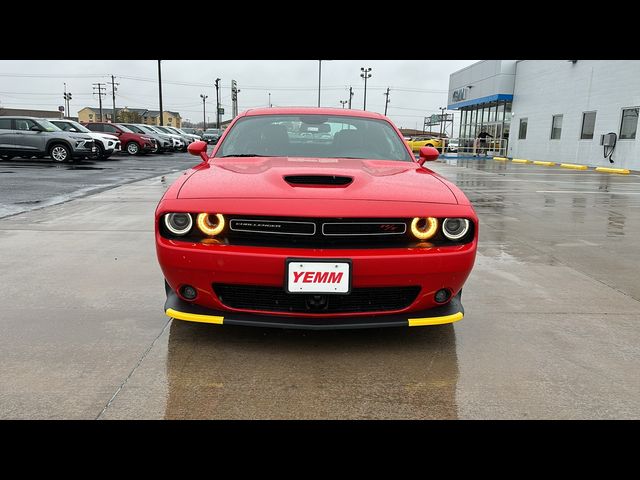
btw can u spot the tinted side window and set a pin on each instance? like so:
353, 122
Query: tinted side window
94, 127
109, 129
5, 124
24, 124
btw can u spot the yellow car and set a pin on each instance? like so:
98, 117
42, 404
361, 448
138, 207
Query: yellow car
417, 143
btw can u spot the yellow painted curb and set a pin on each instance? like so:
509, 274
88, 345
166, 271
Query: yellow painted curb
574, 166
519, 160
612, 170
500, 159
546, 164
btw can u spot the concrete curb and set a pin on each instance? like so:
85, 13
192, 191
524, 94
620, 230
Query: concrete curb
546, 164
623, 171
520, 160
573, 166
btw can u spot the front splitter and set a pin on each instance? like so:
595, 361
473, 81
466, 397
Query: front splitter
181, 310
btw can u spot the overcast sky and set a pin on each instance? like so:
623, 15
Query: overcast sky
418, 87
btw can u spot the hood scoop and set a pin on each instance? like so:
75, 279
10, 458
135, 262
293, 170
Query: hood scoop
318, 180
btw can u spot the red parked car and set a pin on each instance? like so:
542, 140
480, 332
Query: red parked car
132, 143
314, 218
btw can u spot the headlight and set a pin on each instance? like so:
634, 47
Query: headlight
455, 228
178, 223
424, 228
210, 224
145, 138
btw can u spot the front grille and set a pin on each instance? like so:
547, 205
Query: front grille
318, 232
275, 299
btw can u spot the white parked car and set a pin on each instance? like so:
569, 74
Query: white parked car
178, 142
106, 143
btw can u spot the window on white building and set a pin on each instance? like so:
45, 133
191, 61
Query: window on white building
556, 127
629, 123
588, 125
522, 132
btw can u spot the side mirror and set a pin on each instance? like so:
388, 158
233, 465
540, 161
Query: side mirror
428, 154
72, 129
36, 128
199, 148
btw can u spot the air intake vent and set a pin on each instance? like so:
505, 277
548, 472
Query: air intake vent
318, 180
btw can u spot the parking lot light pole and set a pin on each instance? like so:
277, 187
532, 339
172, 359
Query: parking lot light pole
365, 74
204, 114
217, 103
319, 79
160, 92
344, 102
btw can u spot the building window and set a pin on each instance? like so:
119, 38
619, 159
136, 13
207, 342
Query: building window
629, 123
556, 127
170, 119
522, 133
588, 125
91, 116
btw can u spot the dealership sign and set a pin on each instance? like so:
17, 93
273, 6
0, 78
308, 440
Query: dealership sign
459, 94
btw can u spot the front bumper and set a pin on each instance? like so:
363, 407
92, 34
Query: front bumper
178, 309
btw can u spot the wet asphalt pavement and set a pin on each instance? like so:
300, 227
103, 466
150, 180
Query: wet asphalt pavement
551, 327
29, 184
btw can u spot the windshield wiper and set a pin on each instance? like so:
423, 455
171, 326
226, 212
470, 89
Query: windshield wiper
243, 155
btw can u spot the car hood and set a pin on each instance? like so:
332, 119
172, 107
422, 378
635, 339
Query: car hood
264, 178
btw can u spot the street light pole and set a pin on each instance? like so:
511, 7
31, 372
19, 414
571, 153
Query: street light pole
365, 74
204, 115
217, 103
344, 102
386, 103
270, 100
319, 79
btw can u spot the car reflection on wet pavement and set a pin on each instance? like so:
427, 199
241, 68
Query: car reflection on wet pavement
551, 327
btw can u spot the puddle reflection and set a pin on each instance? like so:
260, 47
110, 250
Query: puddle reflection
251, 373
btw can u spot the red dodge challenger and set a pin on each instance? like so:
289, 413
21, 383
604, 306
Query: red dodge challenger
314, 218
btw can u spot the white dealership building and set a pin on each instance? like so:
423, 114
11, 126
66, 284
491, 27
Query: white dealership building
553, 110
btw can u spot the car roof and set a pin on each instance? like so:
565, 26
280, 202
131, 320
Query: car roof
312, 111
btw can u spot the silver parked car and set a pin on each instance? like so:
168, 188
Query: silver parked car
33, 137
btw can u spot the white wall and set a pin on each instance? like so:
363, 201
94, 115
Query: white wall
548, 87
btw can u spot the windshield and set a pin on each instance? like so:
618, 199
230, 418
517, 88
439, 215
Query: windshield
48, 126
79, 127
125, 129
215, 131
314, 136
164, 130
133, 128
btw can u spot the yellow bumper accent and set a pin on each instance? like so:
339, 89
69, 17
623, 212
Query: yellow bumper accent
193, 317
612, 170
500, 159
519, 160
546, 164
574, 166
419, 322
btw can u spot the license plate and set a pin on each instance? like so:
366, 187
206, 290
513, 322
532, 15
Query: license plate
331, 276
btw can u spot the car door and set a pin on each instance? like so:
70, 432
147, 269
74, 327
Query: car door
29, 140
7, 136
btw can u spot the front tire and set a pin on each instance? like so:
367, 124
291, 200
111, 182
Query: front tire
60, 153
100, 154
133, 148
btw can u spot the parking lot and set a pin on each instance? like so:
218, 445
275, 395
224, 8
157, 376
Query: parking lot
551, 327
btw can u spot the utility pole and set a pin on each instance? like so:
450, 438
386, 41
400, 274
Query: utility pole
160, 93
217, 103
204, 114
343, 102
387, 102
319, 79
67, 97
113, 96
442, 117
350, 96
100, 86
365, 74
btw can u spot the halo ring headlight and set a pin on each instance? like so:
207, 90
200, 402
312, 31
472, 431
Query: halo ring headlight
178, 223
208, 227
424, 228
455, 228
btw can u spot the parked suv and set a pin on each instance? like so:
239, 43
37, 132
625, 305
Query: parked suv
28, 136
133, 143
106, 144
211, 135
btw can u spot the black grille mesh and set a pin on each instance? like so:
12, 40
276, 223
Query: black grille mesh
275, 299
